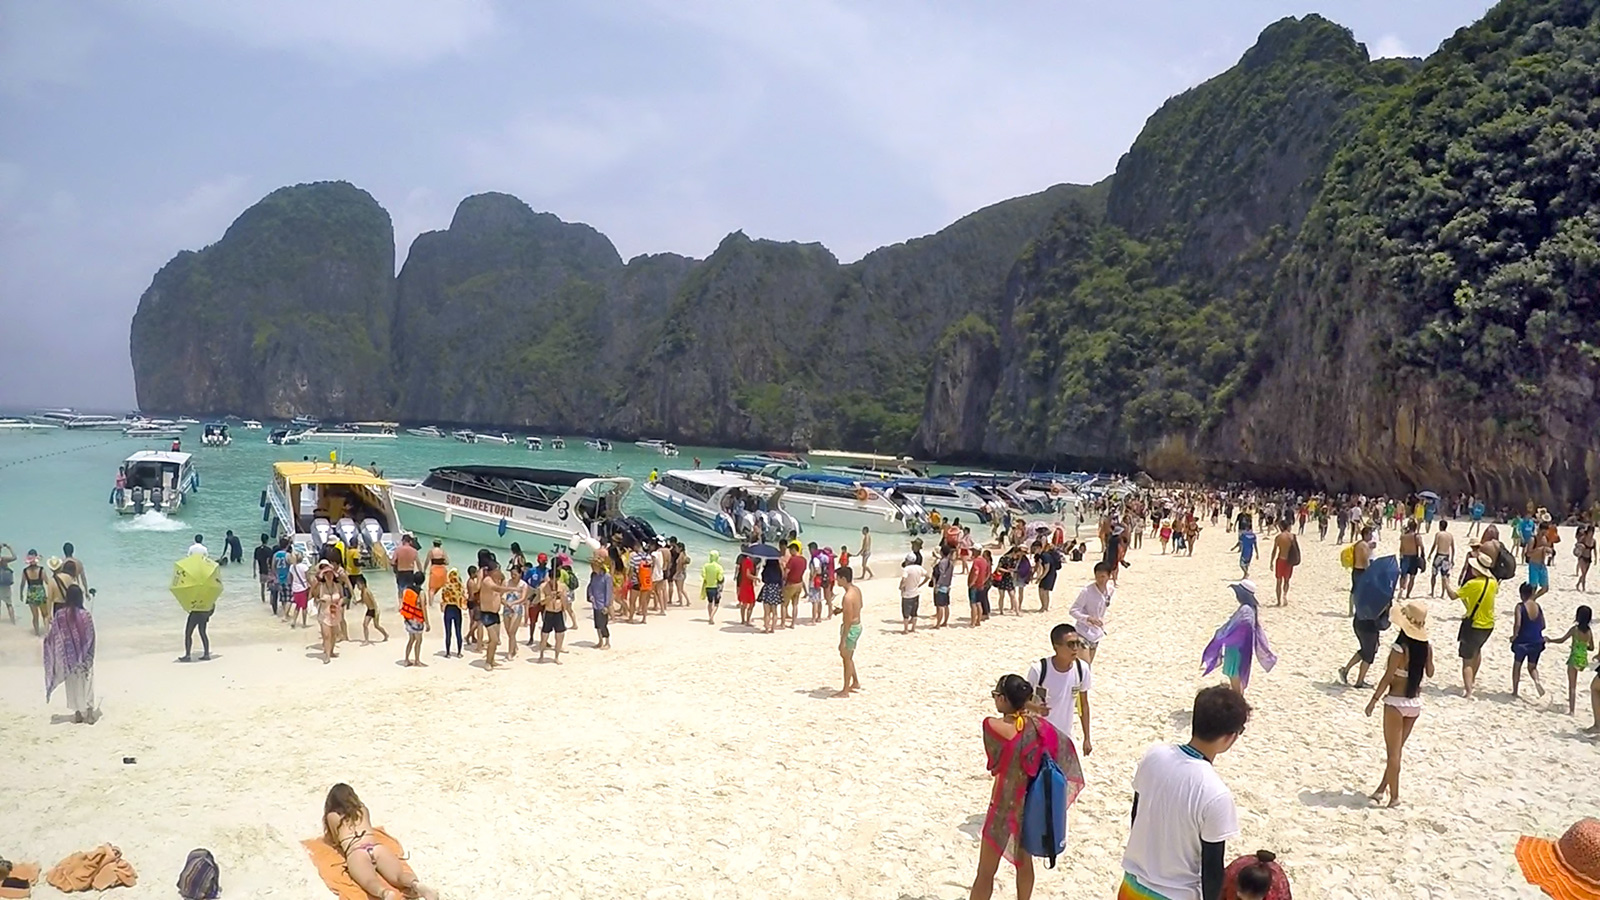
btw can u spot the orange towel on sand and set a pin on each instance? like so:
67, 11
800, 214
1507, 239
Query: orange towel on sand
330, 864
98, 869
21, 871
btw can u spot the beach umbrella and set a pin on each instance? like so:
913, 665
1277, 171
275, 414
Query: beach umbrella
1375, 589
196, 583
1428, 495
761, 551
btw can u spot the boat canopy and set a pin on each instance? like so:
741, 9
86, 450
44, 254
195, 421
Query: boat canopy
293, 473
163, 457
518, 485
869, 457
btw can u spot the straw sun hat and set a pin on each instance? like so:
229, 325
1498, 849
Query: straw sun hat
1568, 868
1413, 620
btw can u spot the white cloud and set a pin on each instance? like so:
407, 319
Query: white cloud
553, 152
384, 31
1390, 45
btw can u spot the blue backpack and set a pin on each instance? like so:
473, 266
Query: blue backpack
1044, 806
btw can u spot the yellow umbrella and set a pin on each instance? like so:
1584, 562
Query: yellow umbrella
196, 583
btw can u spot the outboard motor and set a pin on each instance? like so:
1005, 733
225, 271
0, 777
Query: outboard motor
723, 524
156, 498
747, 523
349, 534
641, 529
138, 500
321, 531
371, 535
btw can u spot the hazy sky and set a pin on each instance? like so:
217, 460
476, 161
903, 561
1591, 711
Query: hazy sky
130, 131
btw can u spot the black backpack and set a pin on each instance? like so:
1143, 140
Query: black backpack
1505, 565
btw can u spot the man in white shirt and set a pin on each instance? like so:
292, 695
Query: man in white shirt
1183, 815
1067, 681
912, 578
198, 548
1089, 610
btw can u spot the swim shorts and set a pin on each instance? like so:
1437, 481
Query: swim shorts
852, 637
1529, 652
908, 607
1282, 568
413, 626
1472, 641
1367, 635
489, 619
1410, 565
714, 596
792, 592
941, 597
1442, 565
1539, 575
554, 621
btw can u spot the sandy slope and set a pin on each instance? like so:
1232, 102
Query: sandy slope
699, 761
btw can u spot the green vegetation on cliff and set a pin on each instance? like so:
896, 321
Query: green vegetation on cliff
288, 312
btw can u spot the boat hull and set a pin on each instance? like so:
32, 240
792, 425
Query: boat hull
829, 513
692, 515
440, 514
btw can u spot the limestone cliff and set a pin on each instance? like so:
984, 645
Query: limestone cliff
288, 313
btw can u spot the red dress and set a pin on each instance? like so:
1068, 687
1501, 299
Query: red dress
747, 581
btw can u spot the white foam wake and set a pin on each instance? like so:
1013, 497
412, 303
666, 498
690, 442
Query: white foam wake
151, 521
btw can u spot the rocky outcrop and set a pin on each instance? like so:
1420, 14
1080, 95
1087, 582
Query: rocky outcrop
288, 313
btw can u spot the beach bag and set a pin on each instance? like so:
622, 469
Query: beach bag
1347, 557
198, 880
1294, 552
1505, 565
1044, 813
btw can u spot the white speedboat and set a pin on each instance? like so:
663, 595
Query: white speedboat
305, 422
535, 442
558, 443
775, 459
491, 506
465, 435
427, 431
252, 425
953, 498
350, 433
93, 423
315, 503
501, 438
283, 437
215, 434
601, 444
155, 481
728, 505
838, 501
154, 430
9, 425
185, 420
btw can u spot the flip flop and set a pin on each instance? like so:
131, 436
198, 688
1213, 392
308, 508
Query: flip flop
1344, 675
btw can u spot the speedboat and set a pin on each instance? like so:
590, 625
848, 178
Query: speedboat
728, 505
535, 442
92, 423
155, 480
305, 422
314, 503
501, 438
669, 449
252, 425
952, 498
838, 501
465, 436
427, 431
776, 459
558, 443
215, 434
350, 432
54, 416
491, 506
10, 425
154, 430
868, 464
185, 420
600, 444
283, 437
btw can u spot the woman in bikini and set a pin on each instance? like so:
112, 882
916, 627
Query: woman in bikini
1400, 692
515, 606
374, 868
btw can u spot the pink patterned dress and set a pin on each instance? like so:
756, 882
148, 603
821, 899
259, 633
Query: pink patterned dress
1013, 763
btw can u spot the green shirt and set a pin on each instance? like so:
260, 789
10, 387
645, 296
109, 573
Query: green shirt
1484, 588
711, 575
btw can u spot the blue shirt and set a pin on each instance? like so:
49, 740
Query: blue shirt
599, 592
1247, 545
534, 576
280, 566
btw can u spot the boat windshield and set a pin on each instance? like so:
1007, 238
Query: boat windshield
149, 475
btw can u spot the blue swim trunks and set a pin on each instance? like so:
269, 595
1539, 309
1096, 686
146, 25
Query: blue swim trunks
1539, 575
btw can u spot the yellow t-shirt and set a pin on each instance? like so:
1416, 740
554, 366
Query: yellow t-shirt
1486, 588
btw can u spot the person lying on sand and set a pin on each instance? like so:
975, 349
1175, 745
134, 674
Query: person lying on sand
347, 825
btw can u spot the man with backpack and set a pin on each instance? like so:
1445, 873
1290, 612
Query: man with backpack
1285, 556
1477, 600
1066, 680
1183, 813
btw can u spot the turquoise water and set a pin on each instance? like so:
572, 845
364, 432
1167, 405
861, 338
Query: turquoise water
55, 487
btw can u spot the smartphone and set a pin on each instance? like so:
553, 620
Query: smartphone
1041, 695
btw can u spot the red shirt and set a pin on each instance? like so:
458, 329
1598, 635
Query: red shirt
978, 572
794, 571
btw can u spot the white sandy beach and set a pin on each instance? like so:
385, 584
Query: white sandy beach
705, 762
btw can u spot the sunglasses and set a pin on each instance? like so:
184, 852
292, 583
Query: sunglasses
1073, 644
